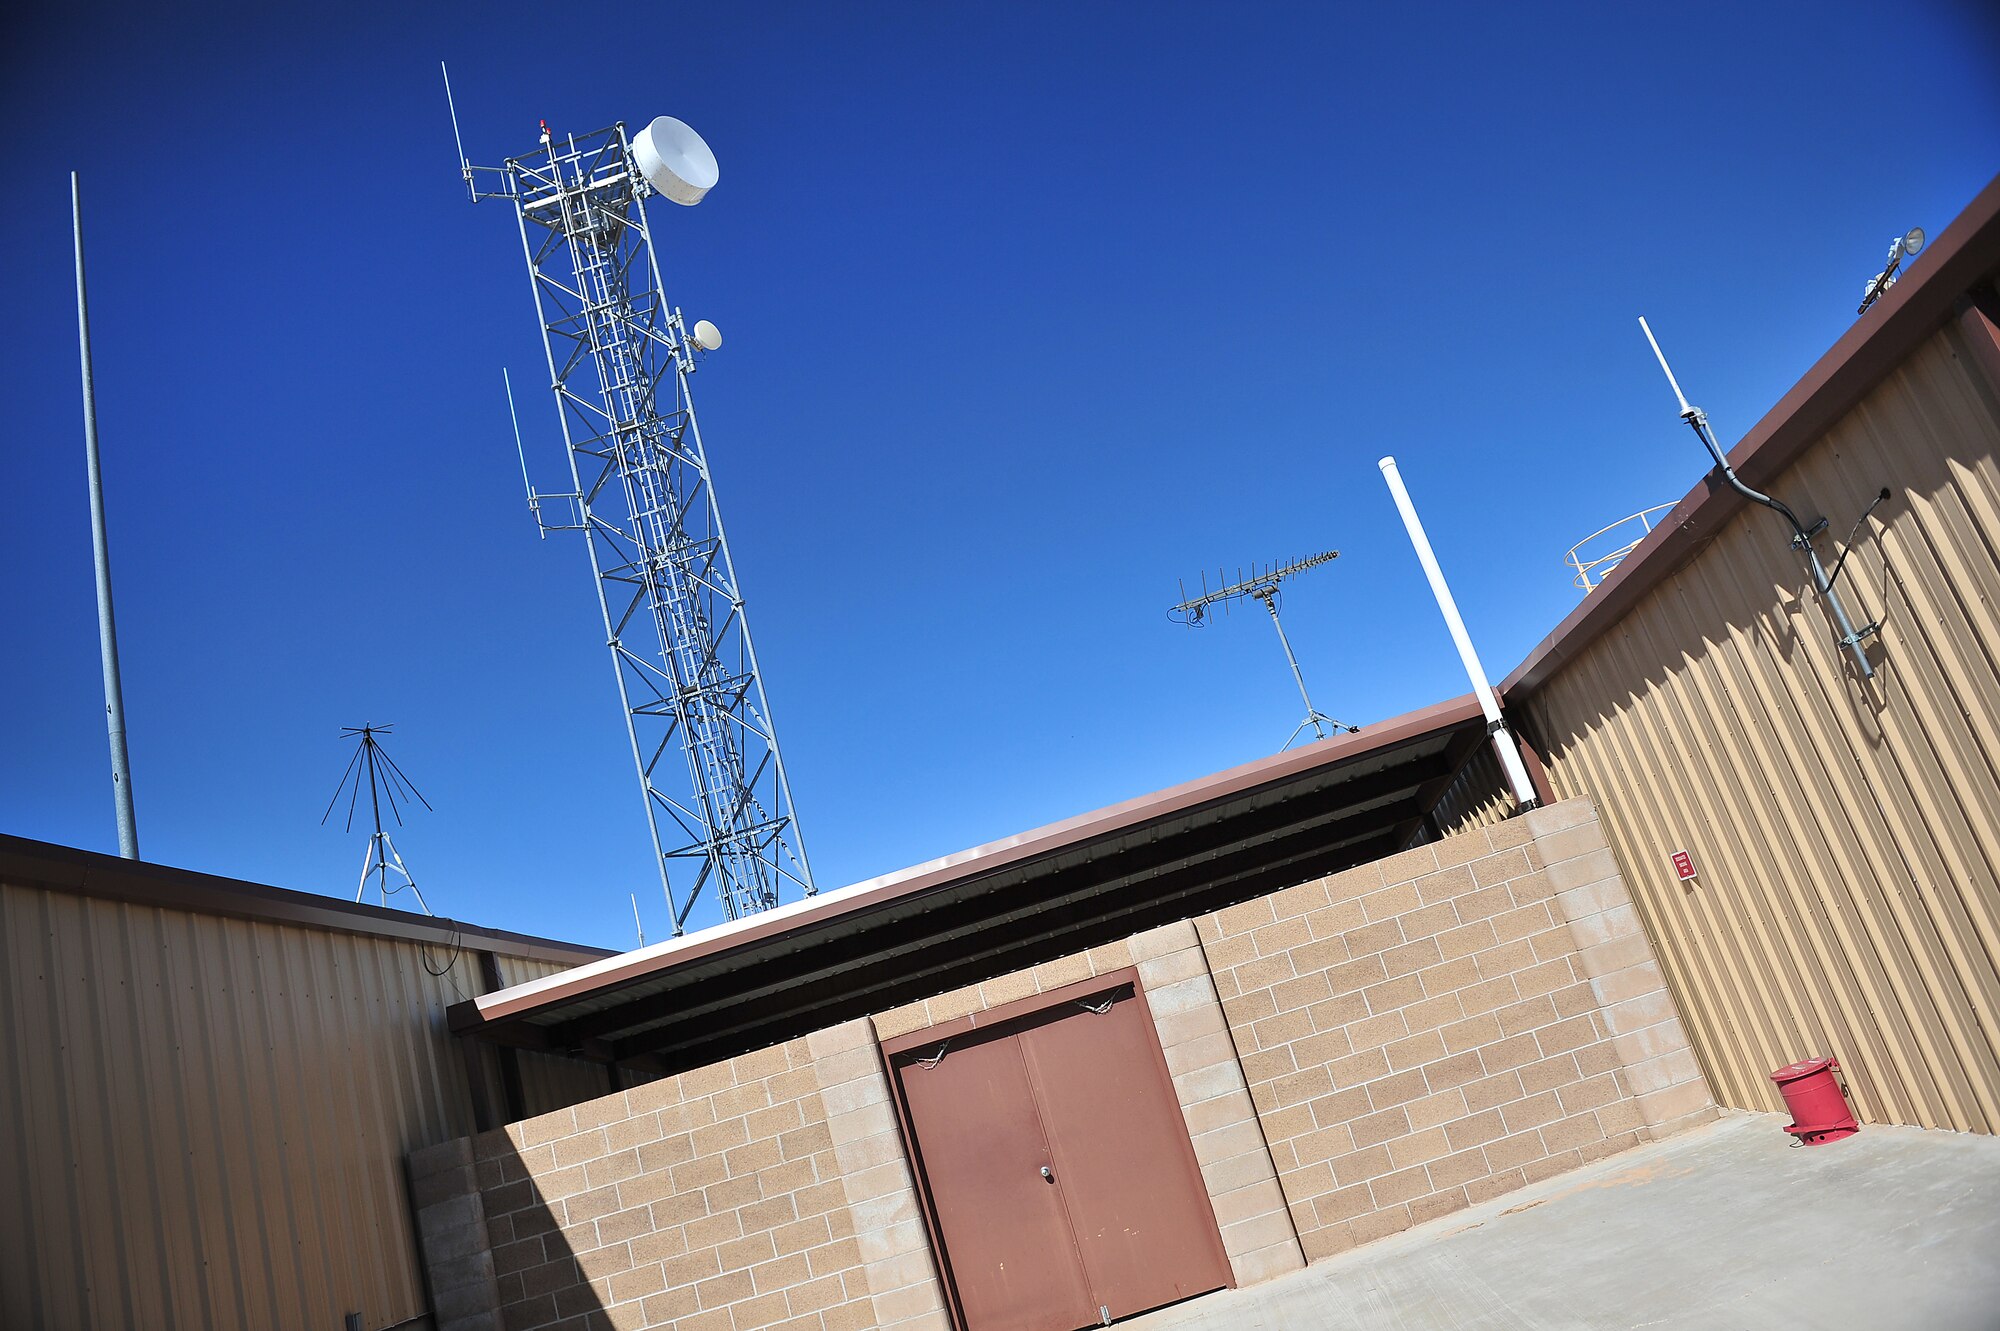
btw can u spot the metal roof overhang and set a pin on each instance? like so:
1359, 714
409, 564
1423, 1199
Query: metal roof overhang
995, 909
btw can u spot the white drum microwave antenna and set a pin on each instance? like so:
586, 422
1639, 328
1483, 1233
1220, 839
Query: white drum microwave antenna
707, 336
675, 161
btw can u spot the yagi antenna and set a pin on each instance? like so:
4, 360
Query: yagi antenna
1263, 586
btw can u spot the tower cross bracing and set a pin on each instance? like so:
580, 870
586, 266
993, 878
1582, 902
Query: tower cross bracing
619, 360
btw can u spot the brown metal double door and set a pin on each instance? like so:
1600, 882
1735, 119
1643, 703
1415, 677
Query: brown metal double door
1058, 1168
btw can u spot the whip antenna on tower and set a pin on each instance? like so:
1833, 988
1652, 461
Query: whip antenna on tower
1262, 586
372, 764
620, 358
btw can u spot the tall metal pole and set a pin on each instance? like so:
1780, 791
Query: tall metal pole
107, 628
1496, 725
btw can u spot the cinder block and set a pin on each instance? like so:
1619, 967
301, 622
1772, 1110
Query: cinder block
1493, 870
1390, 902
1488, 995
1437, 1204
1460, 1168
1553, 818
1531, 888
839, 1039
1635, 1014
1300, 900
1445, 884
1388, 996
1191, 1024
1238, 1171
1230, 951
1281, 936
1505, 959
865, 1121
1570, 843
1203, 1051
1545, 978
1491, 1092
1496, 1185
1381, 1224
1569, 1133
1337, 919
1595, 867
896, 1306
1258, 1231
899, 1021
1477, 1130
1461, 1037
1516, 1152
1268, 1262
1414, 863
1207, 1083
1229, 1140
1566, 1035
1579, 903
1241, 919
1536, 1110
1159, 971
445, 1157
1309, 988
1658, 1074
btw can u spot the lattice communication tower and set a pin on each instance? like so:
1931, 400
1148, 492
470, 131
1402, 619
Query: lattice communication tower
620, 358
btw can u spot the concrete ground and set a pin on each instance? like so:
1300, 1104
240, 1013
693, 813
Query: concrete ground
1726, 1226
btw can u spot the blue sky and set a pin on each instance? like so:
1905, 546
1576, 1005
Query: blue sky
1031, 310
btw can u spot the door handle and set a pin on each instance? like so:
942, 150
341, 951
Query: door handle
1048, 1174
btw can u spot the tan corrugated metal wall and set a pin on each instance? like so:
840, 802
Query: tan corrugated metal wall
1477, 797
1847, 837
203, 1120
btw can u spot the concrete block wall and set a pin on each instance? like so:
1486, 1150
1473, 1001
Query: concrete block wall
1351, 1056
452, 1235
1657, 1065
710, 1201
1447, 1024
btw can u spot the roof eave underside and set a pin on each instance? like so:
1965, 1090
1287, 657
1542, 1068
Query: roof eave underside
999, 908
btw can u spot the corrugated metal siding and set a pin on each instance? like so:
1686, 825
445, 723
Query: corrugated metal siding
1477, 797
203, 1120
1847, 837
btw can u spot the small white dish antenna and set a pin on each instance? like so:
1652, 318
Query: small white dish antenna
675, 161
1913, 241
707, 336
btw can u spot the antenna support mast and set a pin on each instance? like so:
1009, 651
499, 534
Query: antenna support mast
372, 764
1263, 586
620, 358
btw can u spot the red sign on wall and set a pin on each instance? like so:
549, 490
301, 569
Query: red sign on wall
1684, 865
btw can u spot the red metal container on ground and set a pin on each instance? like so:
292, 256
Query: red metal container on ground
1819, 1107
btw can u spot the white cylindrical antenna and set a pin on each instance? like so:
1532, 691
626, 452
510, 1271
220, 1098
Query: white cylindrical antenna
636, 924
1503, 740
675, 161
1686, 410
